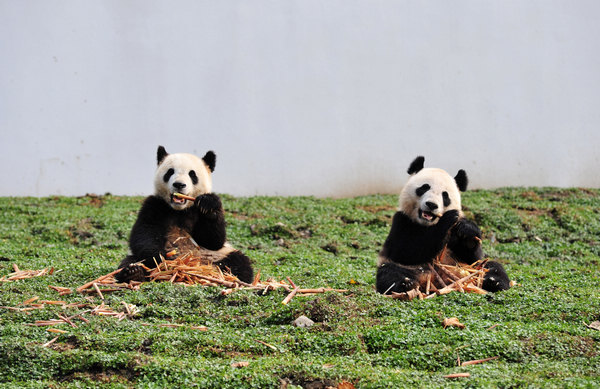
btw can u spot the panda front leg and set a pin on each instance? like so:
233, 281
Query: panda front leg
396, 278
209, 229
465, 241
131, 270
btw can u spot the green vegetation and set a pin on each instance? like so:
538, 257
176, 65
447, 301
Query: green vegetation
547, 238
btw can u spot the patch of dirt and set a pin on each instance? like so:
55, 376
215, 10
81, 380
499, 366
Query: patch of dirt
276, 231
82, 231
530, 195
106, 377
94, 200
69, 343
331, 248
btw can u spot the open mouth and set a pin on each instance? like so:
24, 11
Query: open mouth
427, 216
177, 200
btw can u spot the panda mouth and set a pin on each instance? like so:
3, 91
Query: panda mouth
177, 200
427, 216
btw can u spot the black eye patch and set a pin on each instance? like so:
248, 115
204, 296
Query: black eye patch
193, 176
168, 174
446, 199
422, 189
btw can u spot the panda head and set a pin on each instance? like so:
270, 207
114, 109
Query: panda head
182, 173
430, 192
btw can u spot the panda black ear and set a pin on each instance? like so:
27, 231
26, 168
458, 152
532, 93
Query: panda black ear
416, 165
210, 159
461, 180
161, 154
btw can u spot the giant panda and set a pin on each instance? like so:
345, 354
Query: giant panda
430, 218
164, 220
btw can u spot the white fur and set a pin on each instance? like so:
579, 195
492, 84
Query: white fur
440, 181
182, 164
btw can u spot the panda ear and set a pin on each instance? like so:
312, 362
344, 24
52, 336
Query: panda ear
461, 180
161, 154
416, 165
210, 159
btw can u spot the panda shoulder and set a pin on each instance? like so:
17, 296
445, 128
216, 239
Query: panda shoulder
154, 206
401, 217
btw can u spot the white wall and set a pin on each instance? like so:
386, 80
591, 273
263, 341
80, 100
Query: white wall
311, 97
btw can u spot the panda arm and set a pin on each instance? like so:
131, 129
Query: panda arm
209, 229
148, 235
410, 243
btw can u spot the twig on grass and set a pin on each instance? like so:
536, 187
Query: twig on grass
478, 361
266, 344
50, 342
457, 375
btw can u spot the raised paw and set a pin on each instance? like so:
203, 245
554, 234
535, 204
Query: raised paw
448, 219
465, 241
133, 272
468, 231
208, 203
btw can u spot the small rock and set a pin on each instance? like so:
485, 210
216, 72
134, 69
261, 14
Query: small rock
303, 322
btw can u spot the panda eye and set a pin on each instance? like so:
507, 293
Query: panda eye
446, 199
422, 189
193, 176
168, 174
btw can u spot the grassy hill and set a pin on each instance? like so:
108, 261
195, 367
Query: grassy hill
547, 238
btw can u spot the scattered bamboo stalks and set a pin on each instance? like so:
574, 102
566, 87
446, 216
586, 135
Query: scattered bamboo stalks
61, 290
188, 270
19, 274
98, 280
443, 278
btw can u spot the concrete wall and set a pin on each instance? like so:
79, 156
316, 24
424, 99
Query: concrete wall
306, 97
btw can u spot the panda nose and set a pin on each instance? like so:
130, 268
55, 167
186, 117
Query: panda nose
179, 185
431, 205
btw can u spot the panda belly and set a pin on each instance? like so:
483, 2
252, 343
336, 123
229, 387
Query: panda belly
180, 240
226, 258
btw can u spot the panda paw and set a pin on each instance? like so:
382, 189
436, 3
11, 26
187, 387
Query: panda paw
495, 278
133, 272
448, 219
468, 232
208, 203
394, 278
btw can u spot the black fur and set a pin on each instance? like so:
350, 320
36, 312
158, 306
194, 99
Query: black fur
462, 181
410, 245
496, 278
193, 176
204, 221
422, 189
168, 175
446, 197
239, 265
416, 165
396, 278
210, 159
161, 154
464, 243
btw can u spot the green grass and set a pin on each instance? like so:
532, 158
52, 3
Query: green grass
547, 238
